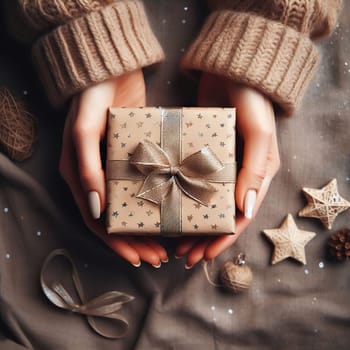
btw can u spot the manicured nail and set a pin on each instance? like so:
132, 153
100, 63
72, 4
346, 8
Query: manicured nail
94, 204
157, 266
136, 265
188, 267
249, 203
165, 260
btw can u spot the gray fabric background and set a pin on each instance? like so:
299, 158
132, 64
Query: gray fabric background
289, 306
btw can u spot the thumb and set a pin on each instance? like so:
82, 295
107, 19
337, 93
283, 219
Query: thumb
255, 121
88, 129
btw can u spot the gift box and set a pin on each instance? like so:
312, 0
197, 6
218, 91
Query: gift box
171, 171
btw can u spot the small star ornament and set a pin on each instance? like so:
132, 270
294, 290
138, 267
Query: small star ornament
324, 204
289, 241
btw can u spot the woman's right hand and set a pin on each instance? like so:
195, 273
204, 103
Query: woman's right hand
81, 165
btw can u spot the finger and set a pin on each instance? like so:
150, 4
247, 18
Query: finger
197, 252
145, 251
69, 171
274, 161
158, 248
255, 123
217, 246
122, 248
87, 131
184, 245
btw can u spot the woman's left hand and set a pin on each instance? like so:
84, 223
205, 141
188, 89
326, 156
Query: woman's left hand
81, 163
256, 126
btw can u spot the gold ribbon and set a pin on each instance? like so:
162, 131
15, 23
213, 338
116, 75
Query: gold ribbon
161, 174
103, 306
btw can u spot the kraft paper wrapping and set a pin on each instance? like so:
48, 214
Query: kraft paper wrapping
198, 127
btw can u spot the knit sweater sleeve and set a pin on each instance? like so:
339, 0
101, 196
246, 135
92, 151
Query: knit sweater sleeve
267, 44
80, 43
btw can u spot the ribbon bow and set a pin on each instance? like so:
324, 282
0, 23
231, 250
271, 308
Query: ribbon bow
161, 175
105, 305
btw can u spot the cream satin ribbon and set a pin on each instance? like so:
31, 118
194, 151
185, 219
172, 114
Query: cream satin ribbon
104, 306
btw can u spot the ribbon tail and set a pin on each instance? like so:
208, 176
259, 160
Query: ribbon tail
116, 322
155, 187
107, 303
198, 190
101, 308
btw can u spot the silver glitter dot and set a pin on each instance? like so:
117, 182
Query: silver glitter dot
279, 280
321, 264
294, 157
183, 21
213, 308
6, 210
25, 92
7, 256
318, 85
164, 21
38, 233
168, 82
230, 311
306, 271
185, 8
316, 330
348, 179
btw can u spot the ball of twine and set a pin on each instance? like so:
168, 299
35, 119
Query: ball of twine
17, 127
235, 277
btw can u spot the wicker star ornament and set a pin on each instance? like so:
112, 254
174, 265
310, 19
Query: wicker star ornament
289, 241
324, 204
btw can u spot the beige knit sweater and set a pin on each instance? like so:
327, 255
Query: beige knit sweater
265, 44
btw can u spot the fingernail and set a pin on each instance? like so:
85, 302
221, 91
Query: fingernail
157, 266
94, 204
136, 265
188, 267
249, 203
178, 257
165, 260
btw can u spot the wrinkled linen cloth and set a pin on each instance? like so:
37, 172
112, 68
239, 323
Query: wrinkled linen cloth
289, 306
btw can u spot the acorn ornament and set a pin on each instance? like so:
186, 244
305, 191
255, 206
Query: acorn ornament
236, 275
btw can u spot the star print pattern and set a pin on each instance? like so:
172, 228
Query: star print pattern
214, 127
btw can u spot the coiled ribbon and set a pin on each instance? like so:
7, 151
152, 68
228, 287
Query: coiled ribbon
104, 306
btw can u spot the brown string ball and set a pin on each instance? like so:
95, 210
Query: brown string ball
17, 127
236, 275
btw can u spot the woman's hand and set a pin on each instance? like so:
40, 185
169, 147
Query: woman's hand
81, 165
256, 126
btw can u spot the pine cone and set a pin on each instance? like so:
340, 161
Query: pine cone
339, 244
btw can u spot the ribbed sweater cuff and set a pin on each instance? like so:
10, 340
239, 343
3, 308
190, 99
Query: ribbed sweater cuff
266, 55
95, 47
